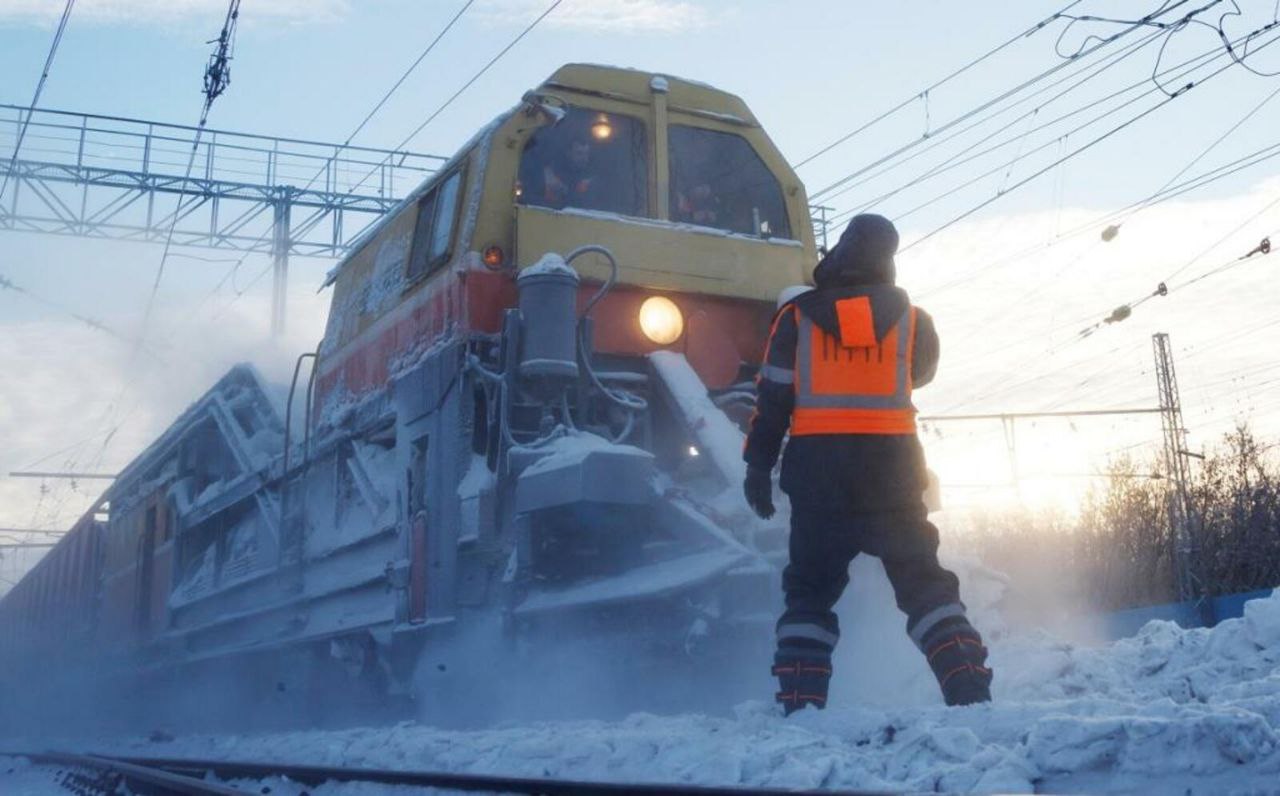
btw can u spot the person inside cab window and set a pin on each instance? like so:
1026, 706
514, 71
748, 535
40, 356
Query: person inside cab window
588, 160
719, 181
571, 180
698, 204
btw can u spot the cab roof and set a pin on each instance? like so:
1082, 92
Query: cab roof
636, 85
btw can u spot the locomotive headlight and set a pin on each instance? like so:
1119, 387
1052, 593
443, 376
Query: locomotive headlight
660, 320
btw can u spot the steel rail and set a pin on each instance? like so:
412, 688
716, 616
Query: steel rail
114, 772
192, 773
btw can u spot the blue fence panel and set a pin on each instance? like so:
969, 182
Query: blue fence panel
1122, 624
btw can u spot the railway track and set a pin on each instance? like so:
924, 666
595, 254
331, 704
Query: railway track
90, 774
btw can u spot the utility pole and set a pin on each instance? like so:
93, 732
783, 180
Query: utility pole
1181, 513
1011, 447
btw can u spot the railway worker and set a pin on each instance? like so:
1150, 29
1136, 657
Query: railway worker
571, 180
698, 205
840, 365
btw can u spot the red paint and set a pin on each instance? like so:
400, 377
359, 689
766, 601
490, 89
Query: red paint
720, 332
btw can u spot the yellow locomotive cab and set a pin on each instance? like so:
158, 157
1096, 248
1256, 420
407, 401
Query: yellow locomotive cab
675, 177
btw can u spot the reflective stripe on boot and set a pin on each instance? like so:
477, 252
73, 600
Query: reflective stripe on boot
803, 676
958, 661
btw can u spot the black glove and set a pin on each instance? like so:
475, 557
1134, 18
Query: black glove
758, 489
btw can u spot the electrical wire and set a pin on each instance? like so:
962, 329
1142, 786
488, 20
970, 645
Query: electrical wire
1196, 183
93, 323
239, 262
958, 159
1174, 96
1124, 311
217, 78
35, 98
1089, 72
380, 164
405, 76
436, 113
510, 45
990, 103
923, 93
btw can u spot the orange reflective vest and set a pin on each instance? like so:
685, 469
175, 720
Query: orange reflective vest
854, 384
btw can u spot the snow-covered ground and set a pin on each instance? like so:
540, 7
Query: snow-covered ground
1168, 711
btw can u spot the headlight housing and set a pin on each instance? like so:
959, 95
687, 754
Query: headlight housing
661, 320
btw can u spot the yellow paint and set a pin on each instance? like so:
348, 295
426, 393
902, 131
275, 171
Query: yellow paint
651, 252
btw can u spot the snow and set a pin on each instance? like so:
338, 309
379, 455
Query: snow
791, 293
388, 281
478, 478
572, 448
643, 581
603, 215
480, 138
20, 776
1170, 710
550, 263
717, 435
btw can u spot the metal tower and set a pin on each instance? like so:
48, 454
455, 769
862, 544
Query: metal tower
1181, 513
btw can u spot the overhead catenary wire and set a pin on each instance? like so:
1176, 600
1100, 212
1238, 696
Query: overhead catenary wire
964, 157
405, 75
1267, 153
1196, 183
817, 195
217, 77
1124, 311
1172, 97
492, 61
470, 82
958, 159
923, 93
35, 97
1089, 72
93, 323
382, 101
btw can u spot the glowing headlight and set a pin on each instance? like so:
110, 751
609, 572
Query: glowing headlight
660, 320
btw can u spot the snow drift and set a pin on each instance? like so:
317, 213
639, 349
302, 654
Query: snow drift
1194, 711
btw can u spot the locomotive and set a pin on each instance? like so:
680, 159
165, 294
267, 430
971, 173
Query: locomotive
526, 411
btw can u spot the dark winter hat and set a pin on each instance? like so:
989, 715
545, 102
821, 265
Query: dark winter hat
863, 255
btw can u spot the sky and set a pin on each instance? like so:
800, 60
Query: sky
1009, 287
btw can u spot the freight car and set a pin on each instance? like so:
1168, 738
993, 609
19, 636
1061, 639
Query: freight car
525, 414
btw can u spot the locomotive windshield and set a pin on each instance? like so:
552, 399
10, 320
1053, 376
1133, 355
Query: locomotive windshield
588, 160
718, 180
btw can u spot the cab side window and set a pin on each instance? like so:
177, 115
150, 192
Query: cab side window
718, 180
588, 160
433, 232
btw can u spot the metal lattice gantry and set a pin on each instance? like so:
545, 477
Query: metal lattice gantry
108, 177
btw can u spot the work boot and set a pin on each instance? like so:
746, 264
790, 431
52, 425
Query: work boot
957, 656
803, 676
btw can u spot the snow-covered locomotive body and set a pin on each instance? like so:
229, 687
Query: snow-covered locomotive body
526, 407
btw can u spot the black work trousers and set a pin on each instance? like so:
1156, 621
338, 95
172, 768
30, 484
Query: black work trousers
826, 537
